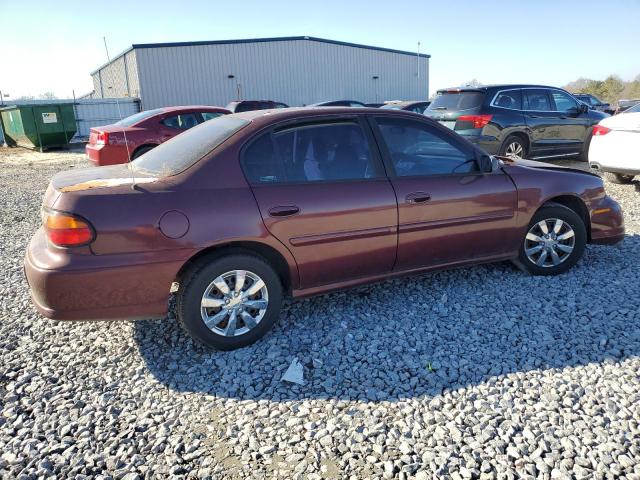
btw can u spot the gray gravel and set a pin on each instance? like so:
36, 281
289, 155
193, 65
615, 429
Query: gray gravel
481, 372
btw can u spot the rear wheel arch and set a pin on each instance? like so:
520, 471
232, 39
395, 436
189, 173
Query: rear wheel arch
267, 253
519, 134
574, 203
142, 148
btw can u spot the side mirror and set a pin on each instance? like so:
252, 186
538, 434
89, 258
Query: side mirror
485, 164
583, 108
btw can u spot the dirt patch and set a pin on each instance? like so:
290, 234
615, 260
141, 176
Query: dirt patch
23, 156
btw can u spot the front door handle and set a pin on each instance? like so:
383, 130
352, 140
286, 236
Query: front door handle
283, 210
418, 197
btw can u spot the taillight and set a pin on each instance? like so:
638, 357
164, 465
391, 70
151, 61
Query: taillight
102, 138
66, 230
478, 121
600, 130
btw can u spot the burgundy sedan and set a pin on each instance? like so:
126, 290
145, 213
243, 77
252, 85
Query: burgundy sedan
135, 135
247, 208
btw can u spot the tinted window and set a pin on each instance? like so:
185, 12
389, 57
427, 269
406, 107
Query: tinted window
281, 105
247, 107
417, 149
138, 117
183, 121
563, 101
509, 99
537, 100
331, 151
210, 115
457, 100
182, 151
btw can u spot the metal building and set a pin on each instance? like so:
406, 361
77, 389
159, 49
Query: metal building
294, 70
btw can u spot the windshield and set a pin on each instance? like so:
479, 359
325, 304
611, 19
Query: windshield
184, 150
138, 117
456, 101
634, 109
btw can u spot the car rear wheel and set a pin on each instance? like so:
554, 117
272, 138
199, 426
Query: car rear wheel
618, 177
554, 242
229, 302
514, 147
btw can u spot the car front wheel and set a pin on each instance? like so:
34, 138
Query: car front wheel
554, 242
229, 302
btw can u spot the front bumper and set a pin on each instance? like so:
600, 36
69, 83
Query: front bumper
607, 222
93, 287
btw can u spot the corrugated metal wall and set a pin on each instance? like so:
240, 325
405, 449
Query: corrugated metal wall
297, 72
117, 79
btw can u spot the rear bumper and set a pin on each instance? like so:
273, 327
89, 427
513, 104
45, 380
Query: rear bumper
100, 155
93, 287
607, 222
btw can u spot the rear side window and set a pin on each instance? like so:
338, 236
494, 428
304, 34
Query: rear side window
563, 101
457, 100
511, 99
310, 153
417, 149
537, 100
183, 121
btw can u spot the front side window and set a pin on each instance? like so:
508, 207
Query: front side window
537, 100
511, 99
209, 115
310, 153
564, 102
184, 121
417, 149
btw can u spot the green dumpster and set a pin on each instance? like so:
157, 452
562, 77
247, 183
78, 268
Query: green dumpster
38, 126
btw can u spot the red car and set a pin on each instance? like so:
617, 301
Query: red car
250, 207
144, 131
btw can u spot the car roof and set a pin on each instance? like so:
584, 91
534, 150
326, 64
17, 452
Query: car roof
481, 88
179, 108
263, 117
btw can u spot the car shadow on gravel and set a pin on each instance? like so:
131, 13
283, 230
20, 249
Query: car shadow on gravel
418, 336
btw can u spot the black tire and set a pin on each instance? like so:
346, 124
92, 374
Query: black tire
512, 142
141, 151
199, 278
618, 178
548, 212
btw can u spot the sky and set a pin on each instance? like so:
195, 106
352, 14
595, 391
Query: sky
53, 46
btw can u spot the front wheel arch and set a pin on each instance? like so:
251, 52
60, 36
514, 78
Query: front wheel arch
573, 203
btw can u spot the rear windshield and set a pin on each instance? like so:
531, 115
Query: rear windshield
456, 101
392, 106
182, 151
138, 117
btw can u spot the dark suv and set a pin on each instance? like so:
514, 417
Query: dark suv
518, 121
595, 103
251, 105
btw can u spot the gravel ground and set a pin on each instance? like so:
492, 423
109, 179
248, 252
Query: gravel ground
480, 372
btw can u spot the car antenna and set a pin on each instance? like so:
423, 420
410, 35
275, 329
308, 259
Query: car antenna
124, 132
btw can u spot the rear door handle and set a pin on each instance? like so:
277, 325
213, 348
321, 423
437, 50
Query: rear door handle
418, 197
283, 210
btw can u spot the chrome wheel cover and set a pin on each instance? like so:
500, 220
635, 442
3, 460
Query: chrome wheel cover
549, 242
514, 150
234, 303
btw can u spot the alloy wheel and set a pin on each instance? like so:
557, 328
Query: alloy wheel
514, 150
549, 242
234, 303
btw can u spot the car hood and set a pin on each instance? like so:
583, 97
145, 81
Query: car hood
541, 165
